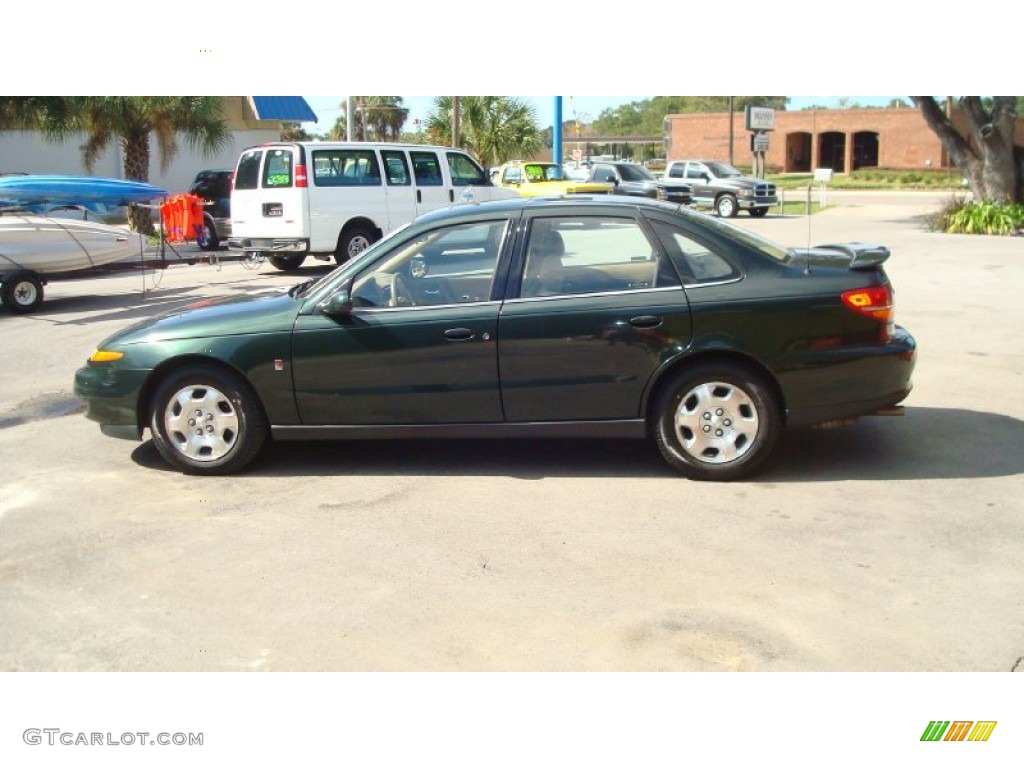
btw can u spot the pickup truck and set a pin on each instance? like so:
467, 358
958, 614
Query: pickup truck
633, 179
722, 187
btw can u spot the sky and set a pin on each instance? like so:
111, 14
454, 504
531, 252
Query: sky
584, 108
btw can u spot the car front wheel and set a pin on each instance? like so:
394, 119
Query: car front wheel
725, 206
717, 421
207, 421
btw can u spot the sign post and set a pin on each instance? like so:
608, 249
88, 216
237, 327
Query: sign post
759, 121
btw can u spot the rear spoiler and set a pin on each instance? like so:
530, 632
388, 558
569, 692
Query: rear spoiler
861, 255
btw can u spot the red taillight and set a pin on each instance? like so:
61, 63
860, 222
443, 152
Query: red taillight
300, 176
874, 301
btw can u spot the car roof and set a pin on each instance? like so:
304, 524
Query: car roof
551, 204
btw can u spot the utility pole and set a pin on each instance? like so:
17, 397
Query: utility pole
455, 121
731, 162
350, 118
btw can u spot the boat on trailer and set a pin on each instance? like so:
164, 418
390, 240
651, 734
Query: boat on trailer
48, 231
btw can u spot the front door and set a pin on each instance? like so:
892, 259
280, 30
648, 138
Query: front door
419, 346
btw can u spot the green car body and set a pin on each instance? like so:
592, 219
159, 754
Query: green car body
696, 320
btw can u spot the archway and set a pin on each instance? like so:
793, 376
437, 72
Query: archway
798, 152
832, 151
865, 150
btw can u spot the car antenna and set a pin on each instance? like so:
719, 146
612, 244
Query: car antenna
807, 253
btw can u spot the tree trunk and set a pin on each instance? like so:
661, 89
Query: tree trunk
136, 167
988, 160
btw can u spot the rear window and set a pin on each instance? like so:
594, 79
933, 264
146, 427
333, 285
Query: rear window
277, 170
248, 174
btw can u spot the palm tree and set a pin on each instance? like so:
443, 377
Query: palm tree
383, 117
494, 128
130, 120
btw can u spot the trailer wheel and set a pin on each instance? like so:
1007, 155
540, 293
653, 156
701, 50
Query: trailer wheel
22, 292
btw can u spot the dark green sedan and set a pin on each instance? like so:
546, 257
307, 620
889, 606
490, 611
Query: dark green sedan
603, 317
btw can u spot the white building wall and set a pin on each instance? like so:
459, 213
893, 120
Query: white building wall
29, 152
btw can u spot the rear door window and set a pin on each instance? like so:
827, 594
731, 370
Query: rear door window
277, 171
426, 169
396, 168
247, 176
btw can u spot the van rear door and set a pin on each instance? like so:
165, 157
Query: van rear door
268, 200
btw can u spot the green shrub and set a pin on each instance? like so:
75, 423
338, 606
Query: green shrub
985, 219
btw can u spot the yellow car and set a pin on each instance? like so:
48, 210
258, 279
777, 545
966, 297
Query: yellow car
545, 179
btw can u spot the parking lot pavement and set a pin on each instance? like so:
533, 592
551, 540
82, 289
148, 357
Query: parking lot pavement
893, 544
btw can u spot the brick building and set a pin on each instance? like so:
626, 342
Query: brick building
840, 139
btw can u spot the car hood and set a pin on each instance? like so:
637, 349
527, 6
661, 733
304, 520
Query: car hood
270, 312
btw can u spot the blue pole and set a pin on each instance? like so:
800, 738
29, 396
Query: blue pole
556, 147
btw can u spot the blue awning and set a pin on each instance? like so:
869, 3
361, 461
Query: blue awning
290, 108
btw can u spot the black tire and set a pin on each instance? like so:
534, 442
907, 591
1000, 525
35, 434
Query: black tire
757, 213
223, 410
209, 240
354, 241
717, 421
726, 207
288, 263
22, 292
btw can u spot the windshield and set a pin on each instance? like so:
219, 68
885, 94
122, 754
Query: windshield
635, 173
544, 172
723, 170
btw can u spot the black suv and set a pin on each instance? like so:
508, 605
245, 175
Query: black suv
635, 180
214, 186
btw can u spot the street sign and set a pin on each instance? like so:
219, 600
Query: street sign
760, 119
759, 142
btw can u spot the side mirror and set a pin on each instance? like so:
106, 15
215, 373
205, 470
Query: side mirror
338, 303
705, 175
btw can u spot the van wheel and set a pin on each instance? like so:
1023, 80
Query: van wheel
353, 242
288, 263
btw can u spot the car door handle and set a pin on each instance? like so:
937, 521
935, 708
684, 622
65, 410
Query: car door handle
645, 321
419, 196
459, 334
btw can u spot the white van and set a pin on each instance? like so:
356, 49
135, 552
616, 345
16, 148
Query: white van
294, 199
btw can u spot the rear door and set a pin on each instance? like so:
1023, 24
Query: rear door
431, 190
268, 199
398, 186
599, 310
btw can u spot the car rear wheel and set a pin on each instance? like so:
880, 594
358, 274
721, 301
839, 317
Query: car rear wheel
717, 421
207, 421
22, 292
352, 242
288, 263
725, 206
757, 212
